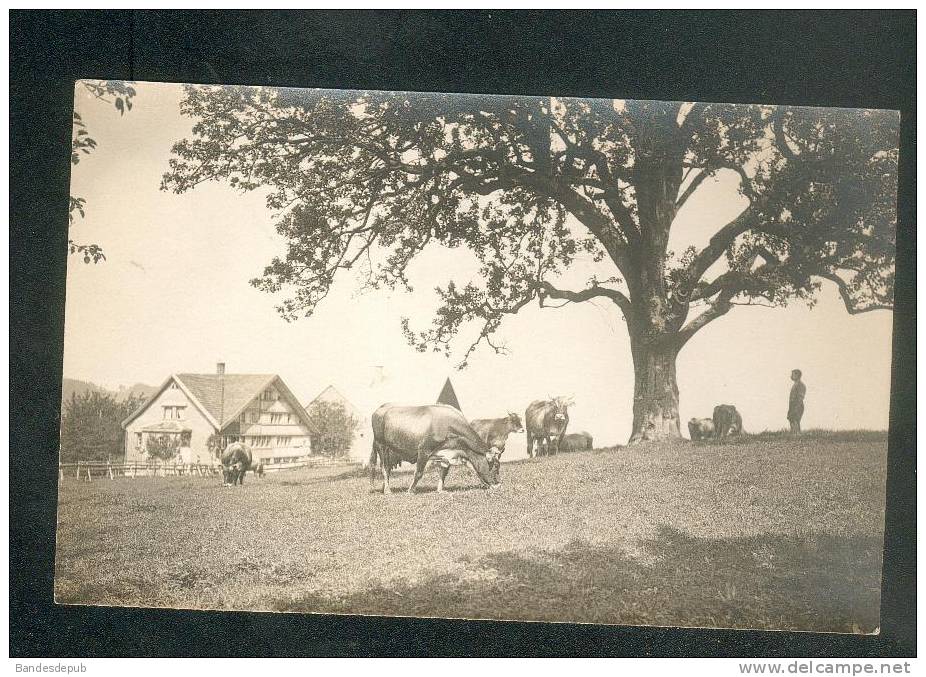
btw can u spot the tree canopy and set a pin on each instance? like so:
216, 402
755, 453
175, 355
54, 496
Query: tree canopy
365, 181
333, 428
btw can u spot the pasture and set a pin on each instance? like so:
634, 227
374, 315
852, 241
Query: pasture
763, 532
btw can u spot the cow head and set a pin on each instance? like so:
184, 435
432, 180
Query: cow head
231, 473
694, 428
514, 423
487, 467
561, 407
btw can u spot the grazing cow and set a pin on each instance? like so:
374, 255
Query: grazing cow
577, 442
236, 460
701, 428
727, 421
434, 432
546, 423
495, 431
257, 467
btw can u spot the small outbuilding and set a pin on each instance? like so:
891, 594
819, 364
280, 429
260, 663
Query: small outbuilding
360, 445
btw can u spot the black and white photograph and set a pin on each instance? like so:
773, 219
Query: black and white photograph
445, 355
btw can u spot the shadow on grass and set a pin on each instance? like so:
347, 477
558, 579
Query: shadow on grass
815, 583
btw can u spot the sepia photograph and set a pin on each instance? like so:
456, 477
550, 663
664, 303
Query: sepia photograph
447, 355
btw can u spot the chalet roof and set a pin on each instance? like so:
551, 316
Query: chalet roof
225, 403
222, 397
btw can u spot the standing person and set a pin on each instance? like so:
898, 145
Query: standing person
796, 401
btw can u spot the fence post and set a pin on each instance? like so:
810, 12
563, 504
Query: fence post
78, 470
89, 479
109, 468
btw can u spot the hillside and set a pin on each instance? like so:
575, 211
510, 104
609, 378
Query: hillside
70, 386
775, 533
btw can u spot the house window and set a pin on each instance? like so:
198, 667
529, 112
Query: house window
138, 440
172, 413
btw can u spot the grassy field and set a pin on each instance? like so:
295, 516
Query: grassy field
767, 532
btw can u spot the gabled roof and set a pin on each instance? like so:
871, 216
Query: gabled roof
225, 396
332, 394
222, 397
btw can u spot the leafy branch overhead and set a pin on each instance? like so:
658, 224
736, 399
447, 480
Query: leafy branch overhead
120, 95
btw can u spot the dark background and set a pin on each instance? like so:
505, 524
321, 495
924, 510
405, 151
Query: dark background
814, 58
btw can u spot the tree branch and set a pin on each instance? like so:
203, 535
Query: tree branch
847, 299
716, 309
692, 187
587, 294
718, 244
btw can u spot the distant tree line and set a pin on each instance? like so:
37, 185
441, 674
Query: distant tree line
91, 426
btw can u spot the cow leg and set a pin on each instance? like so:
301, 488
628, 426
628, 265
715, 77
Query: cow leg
373, 456
387, 470
530, 445
441, 476
419, 471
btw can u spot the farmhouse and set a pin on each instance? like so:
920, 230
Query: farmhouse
189, 409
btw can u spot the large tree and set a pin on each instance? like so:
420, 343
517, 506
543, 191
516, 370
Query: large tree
368, 180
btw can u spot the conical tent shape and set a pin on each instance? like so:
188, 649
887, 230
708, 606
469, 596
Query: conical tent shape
448, 396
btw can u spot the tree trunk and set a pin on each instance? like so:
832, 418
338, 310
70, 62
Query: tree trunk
655, 396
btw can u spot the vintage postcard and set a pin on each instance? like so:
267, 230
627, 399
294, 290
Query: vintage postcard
469, 356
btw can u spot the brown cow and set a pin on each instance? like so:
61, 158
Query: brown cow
434, 432
577, 442
546, 422
700, 429
727, 421
495, 431
236, 461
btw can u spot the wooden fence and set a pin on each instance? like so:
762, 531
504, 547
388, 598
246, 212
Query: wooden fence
90, 470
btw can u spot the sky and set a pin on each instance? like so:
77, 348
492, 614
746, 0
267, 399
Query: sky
173, 296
